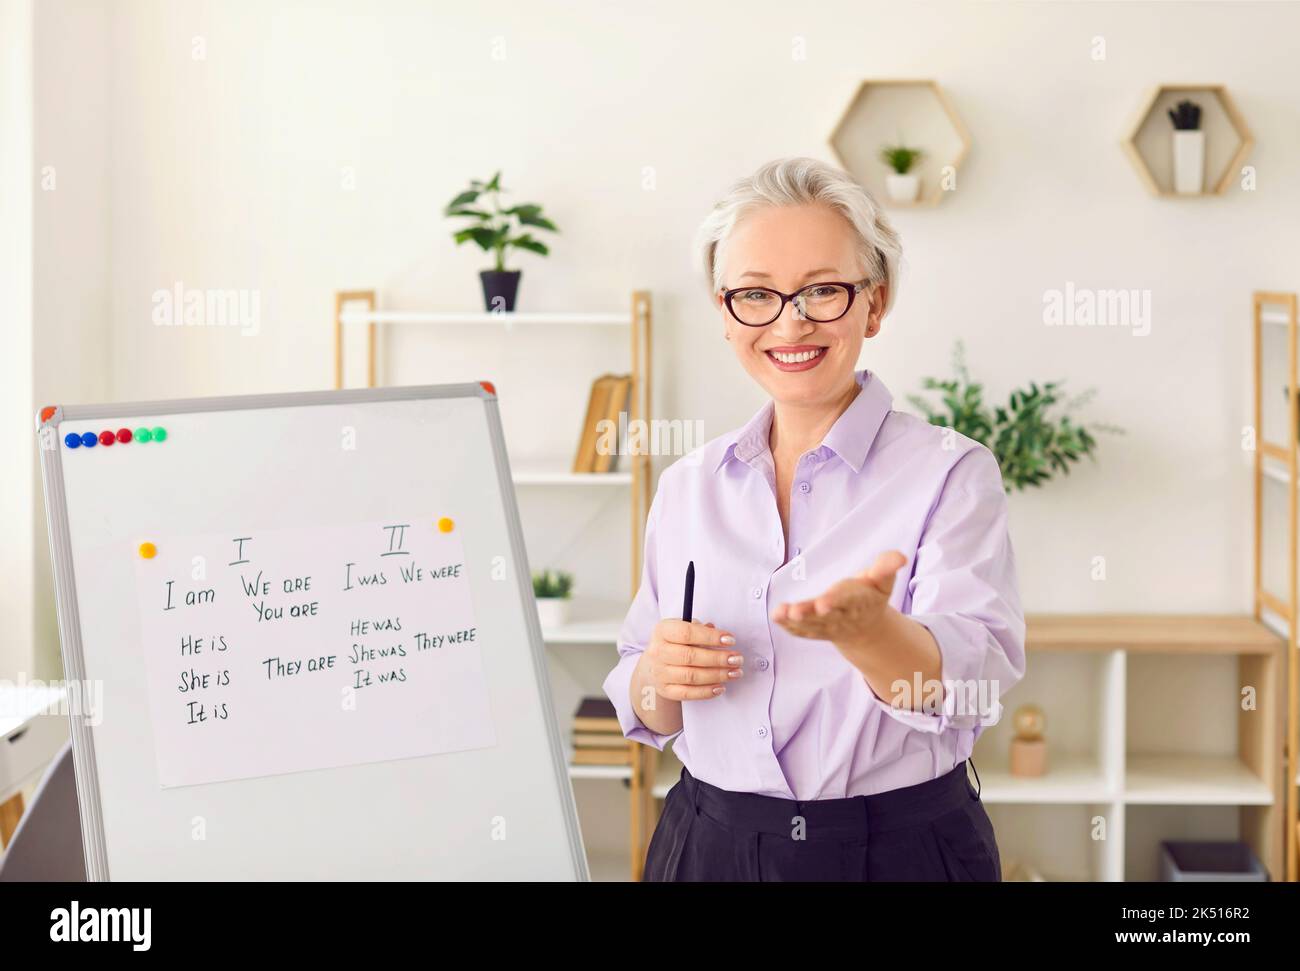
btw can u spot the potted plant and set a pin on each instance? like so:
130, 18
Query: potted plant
1189, 149
552, 589
902, 186
1029, 440
496, 230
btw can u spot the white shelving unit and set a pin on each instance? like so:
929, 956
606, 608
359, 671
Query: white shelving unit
489, 340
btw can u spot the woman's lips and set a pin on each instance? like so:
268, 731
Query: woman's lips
801, 358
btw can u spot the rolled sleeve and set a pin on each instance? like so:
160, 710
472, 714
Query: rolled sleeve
964, 591
633, 638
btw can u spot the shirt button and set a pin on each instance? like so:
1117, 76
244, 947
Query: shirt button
757, 592
762, 663
762, 732
805, 488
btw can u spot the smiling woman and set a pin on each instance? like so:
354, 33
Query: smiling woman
854, 568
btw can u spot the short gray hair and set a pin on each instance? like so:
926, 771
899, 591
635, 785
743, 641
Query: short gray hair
803, 181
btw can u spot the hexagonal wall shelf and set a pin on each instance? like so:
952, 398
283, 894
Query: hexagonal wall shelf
1149, 144
916, 113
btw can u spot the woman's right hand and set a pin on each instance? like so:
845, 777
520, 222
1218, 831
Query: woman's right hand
690, 660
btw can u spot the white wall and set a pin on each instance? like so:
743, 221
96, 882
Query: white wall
54, 279
228, 172
17, 483
71, 258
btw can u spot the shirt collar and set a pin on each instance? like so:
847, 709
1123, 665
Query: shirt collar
850, 437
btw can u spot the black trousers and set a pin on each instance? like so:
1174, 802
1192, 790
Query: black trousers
936, 830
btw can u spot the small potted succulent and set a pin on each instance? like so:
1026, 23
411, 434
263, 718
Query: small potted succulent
496, 230
552, 589
901, 184
1189, 149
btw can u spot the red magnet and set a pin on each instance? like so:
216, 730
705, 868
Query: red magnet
107, 438
124, 435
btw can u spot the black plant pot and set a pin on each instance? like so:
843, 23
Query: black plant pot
499, 289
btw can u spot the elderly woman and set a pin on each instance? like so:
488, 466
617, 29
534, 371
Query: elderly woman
854, 568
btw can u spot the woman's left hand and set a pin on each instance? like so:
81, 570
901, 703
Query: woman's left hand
849, 611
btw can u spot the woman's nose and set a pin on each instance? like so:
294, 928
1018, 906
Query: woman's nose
791, 320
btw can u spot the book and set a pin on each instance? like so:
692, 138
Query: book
607, 445
602, 756
597, 406
598, 740
596, 715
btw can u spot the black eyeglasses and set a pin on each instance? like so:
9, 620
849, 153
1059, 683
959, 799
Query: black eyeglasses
821, 303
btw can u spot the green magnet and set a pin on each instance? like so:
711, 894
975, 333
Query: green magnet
143, 435
160, 434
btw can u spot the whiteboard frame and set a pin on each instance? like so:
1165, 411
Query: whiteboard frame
94, 843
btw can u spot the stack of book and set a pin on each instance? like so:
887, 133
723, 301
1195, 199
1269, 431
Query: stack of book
597, 737
599, 444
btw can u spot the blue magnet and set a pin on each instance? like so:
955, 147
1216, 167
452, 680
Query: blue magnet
90, 439
72, 440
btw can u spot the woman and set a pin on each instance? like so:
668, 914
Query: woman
853, 562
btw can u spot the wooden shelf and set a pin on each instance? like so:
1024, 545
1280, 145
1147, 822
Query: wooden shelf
1175, 633
1227, 139
1193, 780
917, 111
483, 317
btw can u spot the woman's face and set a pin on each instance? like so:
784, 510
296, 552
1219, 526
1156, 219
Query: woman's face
785, 248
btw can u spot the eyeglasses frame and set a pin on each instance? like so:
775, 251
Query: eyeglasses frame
853, 288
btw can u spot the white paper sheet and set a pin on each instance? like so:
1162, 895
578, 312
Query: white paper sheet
274, 651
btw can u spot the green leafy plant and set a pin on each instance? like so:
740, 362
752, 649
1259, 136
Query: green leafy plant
1032, 438
493, 228
552, 584
900, 158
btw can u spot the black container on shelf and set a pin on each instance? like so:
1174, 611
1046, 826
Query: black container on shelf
500, 287
1205, 862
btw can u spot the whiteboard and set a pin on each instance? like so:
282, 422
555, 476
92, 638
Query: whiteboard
309, 625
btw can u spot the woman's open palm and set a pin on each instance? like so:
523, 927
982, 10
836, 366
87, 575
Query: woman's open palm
850, 608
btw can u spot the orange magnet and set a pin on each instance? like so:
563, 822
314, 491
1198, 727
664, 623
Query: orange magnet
148, 551
445, 525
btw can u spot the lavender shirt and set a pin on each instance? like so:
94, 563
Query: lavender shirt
802, 723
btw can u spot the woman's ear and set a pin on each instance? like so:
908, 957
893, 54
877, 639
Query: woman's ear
721, 304
876, 312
